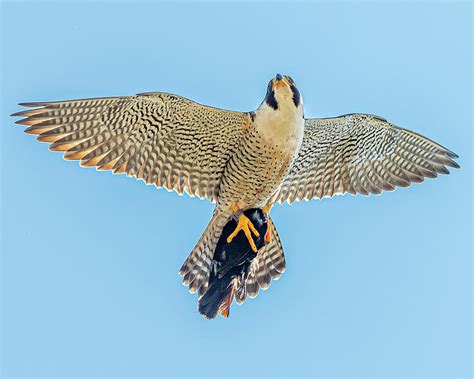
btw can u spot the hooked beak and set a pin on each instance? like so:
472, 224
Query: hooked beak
280, 82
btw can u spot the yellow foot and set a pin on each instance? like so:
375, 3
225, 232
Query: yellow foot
247, 227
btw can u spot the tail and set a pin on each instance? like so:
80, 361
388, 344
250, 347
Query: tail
230, 265
195, 270
269, 264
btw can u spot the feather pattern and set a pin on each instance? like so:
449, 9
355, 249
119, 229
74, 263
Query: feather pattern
360, 153
269, 264
163, 139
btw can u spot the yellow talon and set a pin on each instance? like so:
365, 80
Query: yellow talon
247, 227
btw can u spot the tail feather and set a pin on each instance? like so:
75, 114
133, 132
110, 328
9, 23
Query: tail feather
274, 273
270, 260
275, 249
241, 292
195, 270
222, 272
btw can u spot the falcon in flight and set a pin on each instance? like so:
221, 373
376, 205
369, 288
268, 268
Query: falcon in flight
237, 160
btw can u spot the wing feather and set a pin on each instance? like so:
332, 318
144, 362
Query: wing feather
361, 153
161, 138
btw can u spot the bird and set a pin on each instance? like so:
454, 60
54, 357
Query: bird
230, 273
237, 160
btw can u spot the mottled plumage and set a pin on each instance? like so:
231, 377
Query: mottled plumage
164, 139
360, 153
238, 160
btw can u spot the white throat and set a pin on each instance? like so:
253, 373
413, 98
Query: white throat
283, 127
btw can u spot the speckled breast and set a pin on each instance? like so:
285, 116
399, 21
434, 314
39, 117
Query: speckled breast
255, 171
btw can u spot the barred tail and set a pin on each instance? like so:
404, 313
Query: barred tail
269, 264
195, 270
236, 271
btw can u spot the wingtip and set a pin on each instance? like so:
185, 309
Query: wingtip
455, 165
30, 112
450, 161
32, 104
452, 154
27, 121
17, 114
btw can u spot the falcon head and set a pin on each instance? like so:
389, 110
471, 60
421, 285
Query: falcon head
282, 93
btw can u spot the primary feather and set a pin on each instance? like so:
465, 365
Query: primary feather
164, 139
237, 159
360, 153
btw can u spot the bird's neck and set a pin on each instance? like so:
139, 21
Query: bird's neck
281, 126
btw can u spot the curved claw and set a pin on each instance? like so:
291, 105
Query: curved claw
247, 227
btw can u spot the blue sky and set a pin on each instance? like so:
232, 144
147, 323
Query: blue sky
375, 286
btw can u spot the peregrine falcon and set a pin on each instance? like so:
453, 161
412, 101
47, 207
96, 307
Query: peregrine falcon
237, 160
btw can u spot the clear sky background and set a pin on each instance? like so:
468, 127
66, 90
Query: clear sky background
375, 286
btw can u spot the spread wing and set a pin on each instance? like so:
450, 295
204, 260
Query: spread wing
360, 153
164, 139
